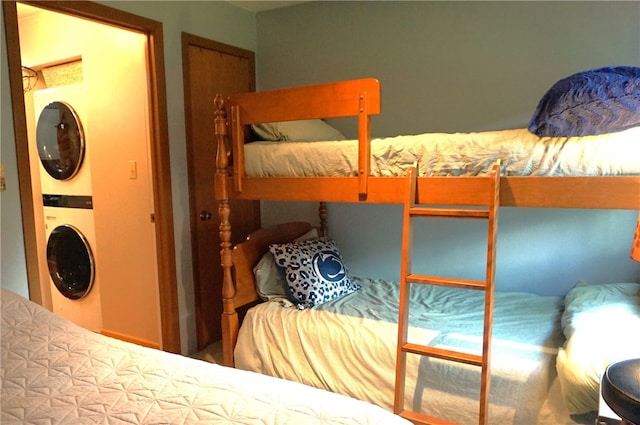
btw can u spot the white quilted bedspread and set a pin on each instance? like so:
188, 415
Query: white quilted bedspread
453, 154
54, 372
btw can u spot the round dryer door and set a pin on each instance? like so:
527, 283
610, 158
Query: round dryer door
70, 262
60, 140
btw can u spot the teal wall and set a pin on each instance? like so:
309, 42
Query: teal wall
13, 268
459, 66
446, 66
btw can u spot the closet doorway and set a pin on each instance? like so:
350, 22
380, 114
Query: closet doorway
211, 68
159, 214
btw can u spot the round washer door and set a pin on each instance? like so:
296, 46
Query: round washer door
60, 140
70, 262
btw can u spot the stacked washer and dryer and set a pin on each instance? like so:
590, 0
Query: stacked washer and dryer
65, 177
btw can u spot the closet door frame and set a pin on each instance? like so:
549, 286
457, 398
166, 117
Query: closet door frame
165, 244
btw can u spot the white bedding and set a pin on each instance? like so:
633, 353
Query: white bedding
442, 154
54, 372
353, 353
596, 322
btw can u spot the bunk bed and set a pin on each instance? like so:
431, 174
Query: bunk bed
347, 345
245, 171
54, 371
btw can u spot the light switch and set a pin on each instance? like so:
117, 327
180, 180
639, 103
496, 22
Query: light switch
133, 169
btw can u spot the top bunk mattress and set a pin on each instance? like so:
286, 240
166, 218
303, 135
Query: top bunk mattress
521, 152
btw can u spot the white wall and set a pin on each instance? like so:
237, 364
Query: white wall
217, 21
214, 20
459, 66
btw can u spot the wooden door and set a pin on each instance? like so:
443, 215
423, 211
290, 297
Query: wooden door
211, 68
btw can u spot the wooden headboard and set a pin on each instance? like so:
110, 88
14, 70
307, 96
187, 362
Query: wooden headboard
248, 253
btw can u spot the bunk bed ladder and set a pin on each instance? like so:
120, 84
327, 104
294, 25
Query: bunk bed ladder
488, 211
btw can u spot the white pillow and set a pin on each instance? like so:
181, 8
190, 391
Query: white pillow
297, 131
270, 284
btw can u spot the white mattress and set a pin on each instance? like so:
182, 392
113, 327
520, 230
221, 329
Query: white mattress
456, 154
596, 323
353, 352
54, 372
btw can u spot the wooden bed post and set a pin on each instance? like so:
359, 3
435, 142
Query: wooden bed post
322, 213
364, 145
230, 323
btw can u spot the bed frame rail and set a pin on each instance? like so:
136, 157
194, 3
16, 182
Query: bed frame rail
588, 192
354, 98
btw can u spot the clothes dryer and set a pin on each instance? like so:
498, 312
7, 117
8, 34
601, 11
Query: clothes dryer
71, 259
62, 141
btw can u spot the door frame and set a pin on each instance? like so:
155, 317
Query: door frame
202, 308
159, 149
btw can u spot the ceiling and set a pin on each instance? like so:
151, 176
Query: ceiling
254, 6
259, 5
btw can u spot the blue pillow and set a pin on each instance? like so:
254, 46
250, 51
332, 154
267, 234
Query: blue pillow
597, 101
313, 271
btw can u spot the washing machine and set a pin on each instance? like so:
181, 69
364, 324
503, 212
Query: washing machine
61, 140
65, 177
72, 259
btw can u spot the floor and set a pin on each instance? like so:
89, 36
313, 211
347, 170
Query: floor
211, 353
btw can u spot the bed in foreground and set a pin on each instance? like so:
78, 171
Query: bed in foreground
56, 372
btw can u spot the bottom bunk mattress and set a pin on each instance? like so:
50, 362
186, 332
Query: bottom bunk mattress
54, 372
348, 346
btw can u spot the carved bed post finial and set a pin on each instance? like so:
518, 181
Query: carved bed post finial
220, 129
230, 324
322, 212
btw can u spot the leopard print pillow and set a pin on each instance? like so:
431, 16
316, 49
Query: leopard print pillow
313, 271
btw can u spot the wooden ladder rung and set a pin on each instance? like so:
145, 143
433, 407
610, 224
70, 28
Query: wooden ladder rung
446, 281
422, 419
448, 213
488, 211
444, 354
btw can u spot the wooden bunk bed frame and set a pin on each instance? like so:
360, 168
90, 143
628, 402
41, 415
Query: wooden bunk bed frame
361, 99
